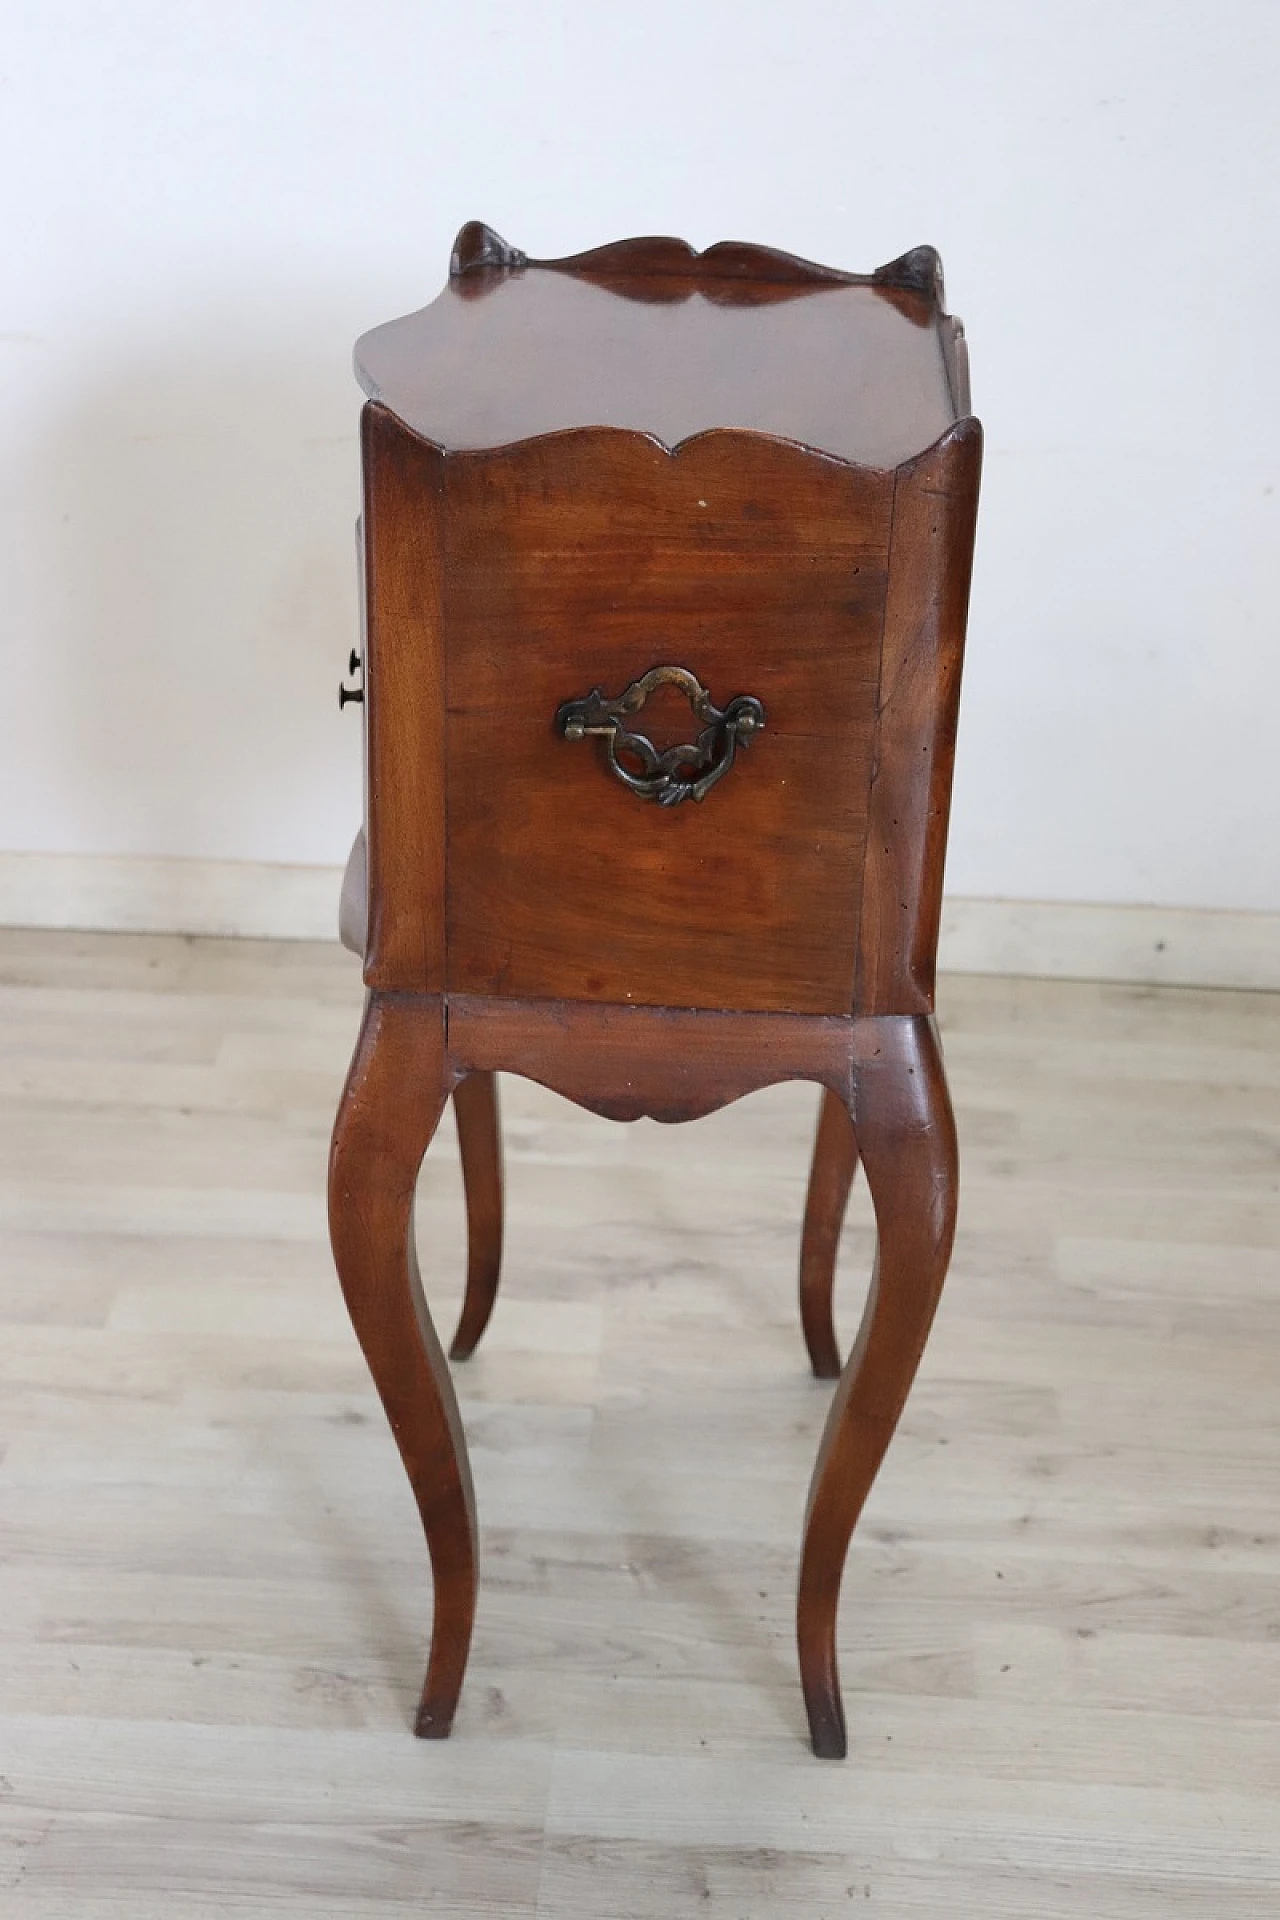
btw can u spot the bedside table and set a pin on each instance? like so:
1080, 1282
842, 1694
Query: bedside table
666, 565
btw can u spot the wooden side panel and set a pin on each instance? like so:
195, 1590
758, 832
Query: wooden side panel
404, 694
930, 561
582, 561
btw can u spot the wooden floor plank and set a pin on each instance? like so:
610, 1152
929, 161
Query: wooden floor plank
1061, 1633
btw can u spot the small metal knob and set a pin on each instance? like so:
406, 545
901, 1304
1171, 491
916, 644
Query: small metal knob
351, 693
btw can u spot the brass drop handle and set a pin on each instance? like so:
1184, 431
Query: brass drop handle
684, 772
351, 693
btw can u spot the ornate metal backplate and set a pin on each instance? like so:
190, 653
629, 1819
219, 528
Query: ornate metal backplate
684, 772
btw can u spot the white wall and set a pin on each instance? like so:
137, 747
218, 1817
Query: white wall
207, 202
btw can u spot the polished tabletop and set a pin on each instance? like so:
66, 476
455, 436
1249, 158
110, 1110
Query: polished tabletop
650, 336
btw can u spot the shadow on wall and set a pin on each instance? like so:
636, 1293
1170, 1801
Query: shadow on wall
190, 600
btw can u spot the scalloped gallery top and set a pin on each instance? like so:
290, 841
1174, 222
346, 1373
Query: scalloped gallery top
651, 337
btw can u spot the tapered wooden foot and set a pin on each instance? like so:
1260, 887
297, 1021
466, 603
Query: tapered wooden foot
475, 1106
835, 1162
903, 1122
391, 1105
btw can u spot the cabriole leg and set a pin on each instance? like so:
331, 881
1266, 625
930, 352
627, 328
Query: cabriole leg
906, 1133
835, 1162
390, 1107
475, 1107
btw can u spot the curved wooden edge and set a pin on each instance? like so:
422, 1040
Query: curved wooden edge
935, 506
475, 1107
659, 1063
672, 1064
391, 422
660, 256
902, 1117
671, 449
477, 245
649, 257
390, 1107
919, 271
831, 1176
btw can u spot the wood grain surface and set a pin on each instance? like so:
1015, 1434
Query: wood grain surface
500, 586
630, 1063
403, 707
648, 336
582, 562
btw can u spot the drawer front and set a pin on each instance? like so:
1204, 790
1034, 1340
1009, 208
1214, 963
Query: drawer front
581, 562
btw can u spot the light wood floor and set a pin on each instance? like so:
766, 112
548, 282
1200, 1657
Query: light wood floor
1061, 1629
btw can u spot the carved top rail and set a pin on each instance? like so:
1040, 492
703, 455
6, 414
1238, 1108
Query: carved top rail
650, 336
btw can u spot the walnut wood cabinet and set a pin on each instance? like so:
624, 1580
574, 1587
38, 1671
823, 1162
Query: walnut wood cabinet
666, 563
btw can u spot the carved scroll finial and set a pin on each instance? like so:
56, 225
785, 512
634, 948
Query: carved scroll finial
919, 271
479, 246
